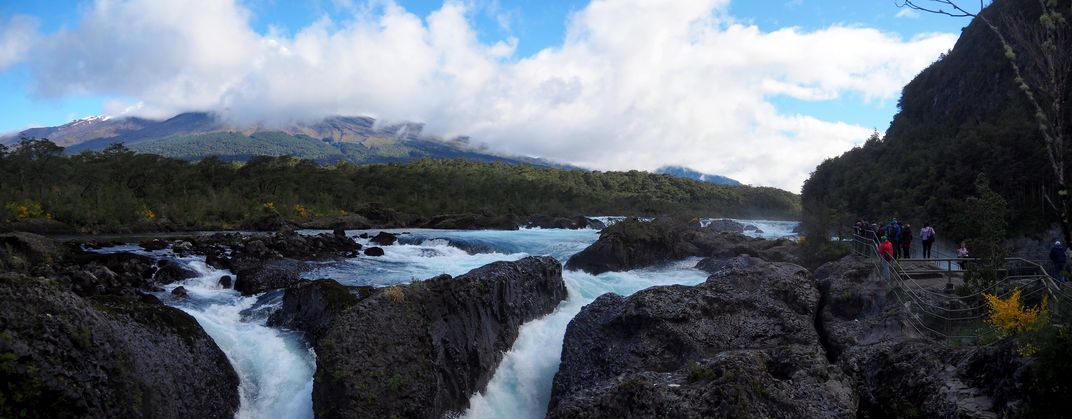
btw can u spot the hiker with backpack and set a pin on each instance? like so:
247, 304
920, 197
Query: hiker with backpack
893, 233
906, 241
927, 235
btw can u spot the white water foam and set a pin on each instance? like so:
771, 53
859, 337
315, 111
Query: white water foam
521, 386
275, 367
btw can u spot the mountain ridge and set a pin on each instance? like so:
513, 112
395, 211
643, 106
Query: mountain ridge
196, 135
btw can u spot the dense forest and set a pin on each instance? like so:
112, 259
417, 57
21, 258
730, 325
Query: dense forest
117, 187
961, 117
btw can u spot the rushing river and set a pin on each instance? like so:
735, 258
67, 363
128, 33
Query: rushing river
276, 367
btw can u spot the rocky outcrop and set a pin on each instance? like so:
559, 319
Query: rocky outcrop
310, 306
726, 226
472, 222
258, 276
346, 222
24, 252
633, 244
384, 238
573, 223
741, 344
421, 350
62, 355
170, 272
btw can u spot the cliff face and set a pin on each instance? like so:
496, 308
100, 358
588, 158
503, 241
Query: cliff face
769, 339
62, 355
417, 350
962, 116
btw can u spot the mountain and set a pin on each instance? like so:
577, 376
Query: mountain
196, 135
692, 174
961, 117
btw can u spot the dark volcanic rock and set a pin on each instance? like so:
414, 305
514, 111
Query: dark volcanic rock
384, 239
574, 223
106, 356
179, 292
263, 276
154, 244
108, 273
743, 344
631, 244
374, 251
225, 281
24, 252
421, 350
310, 306
719, 265
472, 222
346, 222
726, 226
171, 272
869, 334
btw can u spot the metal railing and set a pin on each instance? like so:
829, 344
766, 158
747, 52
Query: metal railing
952, 312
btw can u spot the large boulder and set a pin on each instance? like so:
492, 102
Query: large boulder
170, 272
24, 252
423, 349
574, 223
632, 244
106, 356
310, 306
726, 226
346, 222
742, 344
121, 273
472, 222
255, 277
384, 238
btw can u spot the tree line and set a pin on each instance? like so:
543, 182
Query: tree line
117, 187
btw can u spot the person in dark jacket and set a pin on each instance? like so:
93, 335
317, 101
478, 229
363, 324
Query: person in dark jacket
906, 241
893, 232
1057, 255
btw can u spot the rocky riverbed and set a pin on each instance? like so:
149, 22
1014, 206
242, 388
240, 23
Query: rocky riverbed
751, 332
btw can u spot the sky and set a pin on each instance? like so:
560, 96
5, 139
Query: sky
758, 90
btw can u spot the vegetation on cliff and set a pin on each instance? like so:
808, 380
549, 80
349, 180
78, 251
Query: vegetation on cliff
964, 115
117, 187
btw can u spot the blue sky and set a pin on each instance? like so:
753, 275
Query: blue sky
61, 76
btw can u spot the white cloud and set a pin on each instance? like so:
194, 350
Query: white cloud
907, 13
637, 84
17, 36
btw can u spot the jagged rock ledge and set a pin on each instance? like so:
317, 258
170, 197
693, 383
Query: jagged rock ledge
416, 350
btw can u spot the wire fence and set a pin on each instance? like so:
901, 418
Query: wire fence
938, 302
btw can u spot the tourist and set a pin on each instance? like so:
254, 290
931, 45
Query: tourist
893, 232
927, 235
886, 248
962, 253
906, 241
1057, 255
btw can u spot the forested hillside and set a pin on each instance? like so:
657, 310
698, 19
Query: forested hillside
118, 187
961, 117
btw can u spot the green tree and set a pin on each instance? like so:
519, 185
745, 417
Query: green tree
982, 219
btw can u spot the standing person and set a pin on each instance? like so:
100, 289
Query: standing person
886, 249
1057, 255
906, 241
962, 252
893, 232
927, 235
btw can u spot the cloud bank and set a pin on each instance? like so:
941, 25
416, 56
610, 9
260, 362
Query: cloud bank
636, 84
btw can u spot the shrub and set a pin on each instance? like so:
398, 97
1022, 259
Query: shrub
395, 294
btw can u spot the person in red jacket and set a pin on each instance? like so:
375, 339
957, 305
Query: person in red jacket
886, 249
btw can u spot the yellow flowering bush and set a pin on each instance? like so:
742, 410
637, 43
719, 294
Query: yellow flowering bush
269, 206
300, 210
148, 214
26, 209
1010, 317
